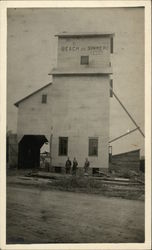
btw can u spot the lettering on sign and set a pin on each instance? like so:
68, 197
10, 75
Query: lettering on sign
97, 48
83, 49
91, 49
69, 48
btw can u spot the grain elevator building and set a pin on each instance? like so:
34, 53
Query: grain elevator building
72, 112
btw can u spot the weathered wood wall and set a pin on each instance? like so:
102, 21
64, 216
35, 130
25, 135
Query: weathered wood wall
126, 161
12, 150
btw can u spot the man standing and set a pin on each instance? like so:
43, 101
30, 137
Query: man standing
74, 167
86, 165
68, 166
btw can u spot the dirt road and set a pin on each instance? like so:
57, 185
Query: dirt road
42, 216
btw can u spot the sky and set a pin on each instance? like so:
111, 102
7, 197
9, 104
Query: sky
32, 53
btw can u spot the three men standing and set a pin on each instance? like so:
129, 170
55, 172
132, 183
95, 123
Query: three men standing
75, 166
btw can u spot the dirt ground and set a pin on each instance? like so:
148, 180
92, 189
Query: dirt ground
131, 189
35, 215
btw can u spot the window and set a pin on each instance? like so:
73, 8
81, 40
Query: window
111, 88
44, 98
63, 146
84, 60
93, 146
111, 45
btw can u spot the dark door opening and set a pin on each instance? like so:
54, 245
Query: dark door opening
95, 171
29, 151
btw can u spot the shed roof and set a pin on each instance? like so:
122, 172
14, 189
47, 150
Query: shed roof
128, 152
87, 34
26, 97
84, 71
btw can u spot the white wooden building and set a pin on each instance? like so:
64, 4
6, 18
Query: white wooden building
72, 112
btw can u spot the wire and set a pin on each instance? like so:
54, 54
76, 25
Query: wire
137, 127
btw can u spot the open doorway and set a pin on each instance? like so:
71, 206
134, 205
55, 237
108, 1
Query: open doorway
29, 151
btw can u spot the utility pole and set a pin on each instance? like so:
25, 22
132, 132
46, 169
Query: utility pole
51, 136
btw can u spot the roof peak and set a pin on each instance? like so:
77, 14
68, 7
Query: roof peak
84, 34
36, 91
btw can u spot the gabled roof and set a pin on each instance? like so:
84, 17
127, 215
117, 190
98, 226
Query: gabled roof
88, 34
33, 93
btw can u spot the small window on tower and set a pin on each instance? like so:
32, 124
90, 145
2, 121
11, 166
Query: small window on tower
44, 98
111, 88
111, 45
84, 60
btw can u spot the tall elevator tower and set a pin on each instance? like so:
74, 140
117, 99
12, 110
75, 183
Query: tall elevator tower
80, 95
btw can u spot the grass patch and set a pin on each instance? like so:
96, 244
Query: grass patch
91, 185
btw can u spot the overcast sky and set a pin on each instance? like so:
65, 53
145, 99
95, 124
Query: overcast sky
32, 53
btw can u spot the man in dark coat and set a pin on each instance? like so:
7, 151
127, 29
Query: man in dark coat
74, 167
86, 165
68, 166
